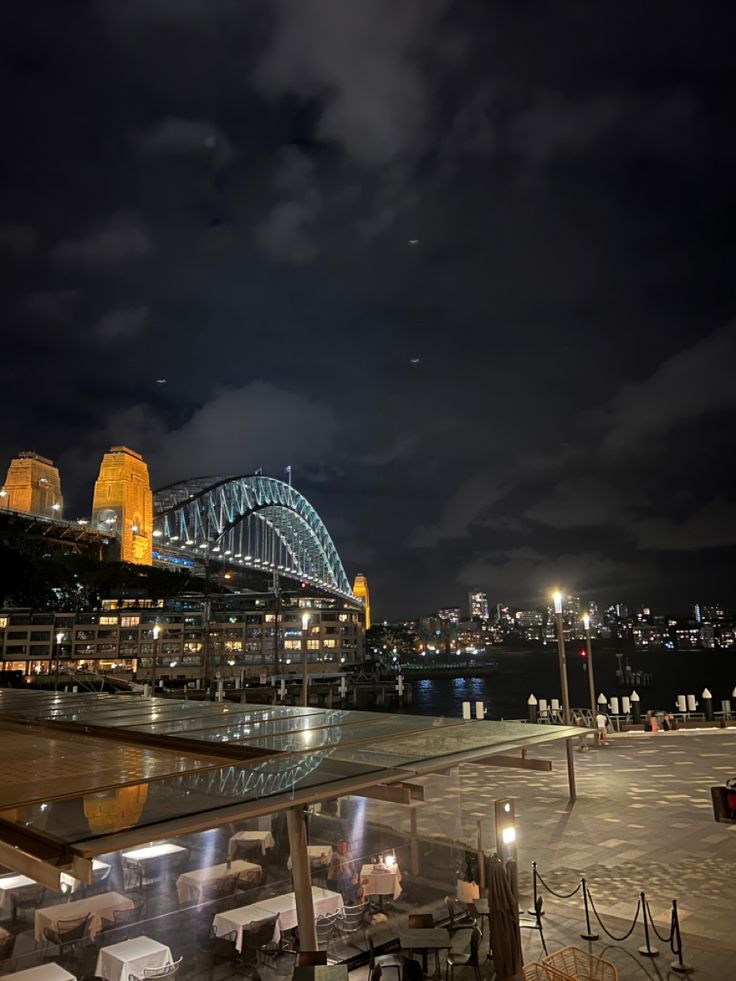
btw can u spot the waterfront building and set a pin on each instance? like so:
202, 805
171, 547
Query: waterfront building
32, 485
478, 605
123, 504
449, 613
244, 636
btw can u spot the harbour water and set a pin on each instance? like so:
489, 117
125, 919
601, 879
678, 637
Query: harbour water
519, 674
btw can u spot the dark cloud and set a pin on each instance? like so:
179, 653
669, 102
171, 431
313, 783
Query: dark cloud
225, 198
122, 238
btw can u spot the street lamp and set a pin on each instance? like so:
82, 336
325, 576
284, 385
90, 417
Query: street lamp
59, 638
156, 632
305, 667
591, 681
565, 694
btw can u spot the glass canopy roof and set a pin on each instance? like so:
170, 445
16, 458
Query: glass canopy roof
189, 765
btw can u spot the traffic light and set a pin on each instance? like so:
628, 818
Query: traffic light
582, 652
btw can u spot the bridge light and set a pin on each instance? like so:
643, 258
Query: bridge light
248, 558
203, 545
174, 538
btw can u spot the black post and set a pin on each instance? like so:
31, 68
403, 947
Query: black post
532, 706
647, 950
707, 704
679, 965
588, 935
533, 910
635, 708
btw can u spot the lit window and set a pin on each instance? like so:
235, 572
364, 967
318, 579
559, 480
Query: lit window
330, 643
312, 645
292, 645
108, 620
129, 621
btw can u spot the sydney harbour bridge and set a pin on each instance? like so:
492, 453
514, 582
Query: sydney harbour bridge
250, 521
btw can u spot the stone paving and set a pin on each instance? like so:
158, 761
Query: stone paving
643, 821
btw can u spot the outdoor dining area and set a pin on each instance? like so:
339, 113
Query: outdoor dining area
261, 867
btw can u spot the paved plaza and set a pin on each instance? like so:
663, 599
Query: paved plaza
643, 821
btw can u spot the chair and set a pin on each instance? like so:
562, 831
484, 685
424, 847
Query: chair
100, 882
257, 936
67, 933
27, 898
219, 949
424, 921
536, 924
311, 958
169, 971
391, 957
466, 959
124, 917
575, 963
219, 888
460, 915
326, 928
353, 918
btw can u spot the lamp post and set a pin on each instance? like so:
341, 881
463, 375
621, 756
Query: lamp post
59, 638
156, 631
565, 695
591, 681
305, 666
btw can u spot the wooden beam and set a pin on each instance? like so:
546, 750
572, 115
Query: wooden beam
395, 793
518, 762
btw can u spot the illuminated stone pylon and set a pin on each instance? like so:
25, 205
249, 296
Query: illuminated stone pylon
123, 504
32, 485
360, 588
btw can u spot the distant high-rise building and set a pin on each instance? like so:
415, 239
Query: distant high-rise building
451, 613
123, 504
478, 605
360, 588
32, 485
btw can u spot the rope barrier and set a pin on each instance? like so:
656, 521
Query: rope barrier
608, 932
559, 895
664, 940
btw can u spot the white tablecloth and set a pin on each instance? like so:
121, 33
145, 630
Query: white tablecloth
189, 884
10, 885
318, 855
467, 891
116, 962
264, 838
380, 882
284, 907
99, 906
150, 852
44, 972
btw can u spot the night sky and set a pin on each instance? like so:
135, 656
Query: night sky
225, 195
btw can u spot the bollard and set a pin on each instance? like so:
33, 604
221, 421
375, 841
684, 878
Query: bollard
532, 708
588, 935
635, 708
146, 691
681, 703
480, 710
466, 710
602, 700
707, 704
647, 950
543, 713
535, 893
625, 705
692, 705
614, 705
679, 965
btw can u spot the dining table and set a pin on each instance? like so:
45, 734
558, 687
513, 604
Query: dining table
44, 972
100, 906
190, 885
319, 856
424, 939
135, 956
284, 907
380, 880
11, 885
250, 841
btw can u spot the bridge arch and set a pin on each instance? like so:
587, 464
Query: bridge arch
250, 520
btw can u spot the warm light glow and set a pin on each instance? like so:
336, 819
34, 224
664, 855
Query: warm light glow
557, 597
389, 861
156, 631
59, 637
586, 621
305, 620
509, 836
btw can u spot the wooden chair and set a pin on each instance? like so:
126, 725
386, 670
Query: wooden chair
469, 958
311, 958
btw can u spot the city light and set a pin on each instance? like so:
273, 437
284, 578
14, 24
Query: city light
557, 598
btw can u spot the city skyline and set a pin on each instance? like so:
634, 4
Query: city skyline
466, 271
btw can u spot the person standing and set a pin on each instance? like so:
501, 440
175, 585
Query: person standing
601, 721
341, 875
